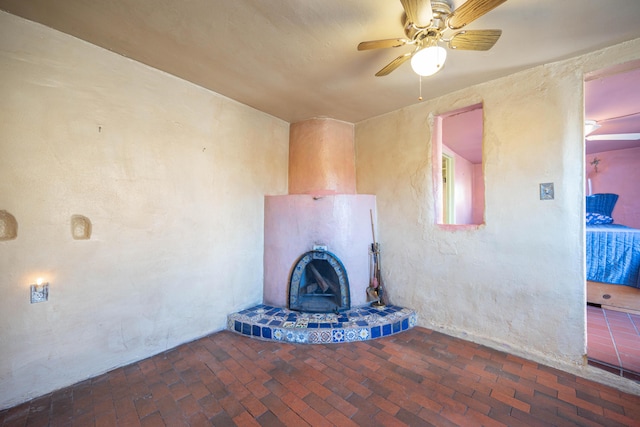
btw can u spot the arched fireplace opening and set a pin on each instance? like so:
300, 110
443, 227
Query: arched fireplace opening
319, 284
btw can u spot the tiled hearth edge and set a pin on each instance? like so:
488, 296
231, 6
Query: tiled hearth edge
359, 324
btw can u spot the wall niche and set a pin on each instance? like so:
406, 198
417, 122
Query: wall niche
8, 226
80, 227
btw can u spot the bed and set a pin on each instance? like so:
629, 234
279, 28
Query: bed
613, 257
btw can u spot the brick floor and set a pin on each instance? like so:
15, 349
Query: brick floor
416, 378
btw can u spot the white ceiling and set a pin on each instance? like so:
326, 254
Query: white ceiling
297, 59
612, 98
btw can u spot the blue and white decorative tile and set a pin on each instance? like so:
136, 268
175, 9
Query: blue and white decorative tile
363, 334
278, 334
337, 335
413, 320
301, 337
351, 335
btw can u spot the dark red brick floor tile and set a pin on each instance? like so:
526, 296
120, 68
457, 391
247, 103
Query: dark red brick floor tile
275, 404
518, 418
238, 390
231, 406
170, 377
340, 420
188, 405
222, 420
128, 420
253, 405
106, 419
269, 419
124, 406
366, 409
61, 423
357, 388
384, 404
337, 388
291, 419
294, 402
167, 406
83, 420
179, 390
153, 420
144, 406
318, 404
341, 405
406, 402
246, 420
314, 418
387, 420
38, 420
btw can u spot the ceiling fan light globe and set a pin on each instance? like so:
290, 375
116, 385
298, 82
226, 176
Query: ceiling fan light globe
429, 60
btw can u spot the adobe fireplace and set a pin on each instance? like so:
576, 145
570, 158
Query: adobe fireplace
319, 297
321, 209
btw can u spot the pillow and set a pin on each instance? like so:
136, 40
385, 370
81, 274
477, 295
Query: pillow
598, 219
602, 203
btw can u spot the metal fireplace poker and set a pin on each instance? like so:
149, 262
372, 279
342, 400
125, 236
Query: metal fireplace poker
375, 291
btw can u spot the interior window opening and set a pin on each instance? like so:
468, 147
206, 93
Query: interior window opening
459, 174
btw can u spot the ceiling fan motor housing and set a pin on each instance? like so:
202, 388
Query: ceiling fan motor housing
441, 10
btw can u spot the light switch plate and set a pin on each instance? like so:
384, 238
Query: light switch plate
39, 293
546, 191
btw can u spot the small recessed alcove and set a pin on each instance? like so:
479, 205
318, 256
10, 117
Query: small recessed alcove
8, 226
80, 227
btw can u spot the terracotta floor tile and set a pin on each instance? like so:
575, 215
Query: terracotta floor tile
614, 339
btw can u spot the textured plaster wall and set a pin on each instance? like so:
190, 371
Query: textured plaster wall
619, 173
172, 178
518, 282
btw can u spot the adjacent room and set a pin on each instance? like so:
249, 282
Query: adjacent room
612, 167
166, 166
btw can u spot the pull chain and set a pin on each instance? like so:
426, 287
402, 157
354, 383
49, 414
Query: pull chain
420, 79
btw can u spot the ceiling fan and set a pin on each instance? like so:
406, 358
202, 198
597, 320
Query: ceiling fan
591, 126
426, 24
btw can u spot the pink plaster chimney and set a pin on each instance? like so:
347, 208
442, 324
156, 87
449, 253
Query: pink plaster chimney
322, 208
322, 157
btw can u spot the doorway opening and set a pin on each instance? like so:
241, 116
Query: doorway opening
612, 217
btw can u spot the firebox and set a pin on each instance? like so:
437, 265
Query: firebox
319, 284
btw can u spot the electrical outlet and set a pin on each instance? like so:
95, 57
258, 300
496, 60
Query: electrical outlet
39, 293
546, 191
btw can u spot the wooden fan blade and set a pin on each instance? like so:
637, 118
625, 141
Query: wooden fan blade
382, 44
470, 11
418, 11
475, 39
394, 64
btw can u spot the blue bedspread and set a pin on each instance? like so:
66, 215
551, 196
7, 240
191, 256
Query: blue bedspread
613, 254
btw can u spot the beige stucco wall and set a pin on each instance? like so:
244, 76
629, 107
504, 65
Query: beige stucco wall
172, 178
518, 282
